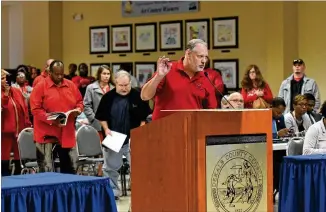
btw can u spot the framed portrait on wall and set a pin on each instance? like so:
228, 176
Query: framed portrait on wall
145, 37
225, 33
197, 29
121, 38
230, 72
99, 37
171, 36
144, 71
94, 67
127, 66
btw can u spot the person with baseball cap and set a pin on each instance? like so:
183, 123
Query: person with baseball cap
298, 83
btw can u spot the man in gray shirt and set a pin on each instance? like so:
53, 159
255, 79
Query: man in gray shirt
298, 83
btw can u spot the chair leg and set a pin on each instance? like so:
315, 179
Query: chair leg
123, 181
78, 170
90, 170
94, 169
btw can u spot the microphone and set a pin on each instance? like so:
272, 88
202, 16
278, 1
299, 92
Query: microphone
206, 75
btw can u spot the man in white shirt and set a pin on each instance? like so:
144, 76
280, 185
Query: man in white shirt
315, 139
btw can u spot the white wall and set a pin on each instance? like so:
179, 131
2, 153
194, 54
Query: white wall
14, 33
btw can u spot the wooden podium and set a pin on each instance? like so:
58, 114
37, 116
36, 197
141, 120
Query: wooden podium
169, 159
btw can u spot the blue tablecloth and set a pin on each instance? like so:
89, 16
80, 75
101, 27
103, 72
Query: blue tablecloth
55, 192
303, 184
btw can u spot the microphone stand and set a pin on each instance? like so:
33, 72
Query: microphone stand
206, 75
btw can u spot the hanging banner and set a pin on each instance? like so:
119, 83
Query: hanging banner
142, 8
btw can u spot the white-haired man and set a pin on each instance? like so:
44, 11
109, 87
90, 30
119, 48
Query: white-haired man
120, 110
181, 84
235, 99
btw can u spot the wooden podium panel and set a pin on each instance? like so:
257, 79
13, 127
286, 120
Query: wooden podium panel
169, 157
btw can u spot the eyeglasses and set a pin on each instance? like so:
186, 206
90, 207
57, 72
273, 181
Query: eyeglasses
236, 100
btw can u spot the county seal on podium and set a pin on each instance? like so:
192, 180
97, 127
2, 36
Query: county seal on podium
236, 173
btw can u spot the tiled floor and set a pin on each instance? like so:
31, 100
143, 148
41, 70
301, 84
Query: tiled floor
124, 203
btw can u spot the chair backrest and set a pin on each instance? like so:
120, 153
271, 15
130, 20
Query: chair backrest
295, 146
26, 145
88, 142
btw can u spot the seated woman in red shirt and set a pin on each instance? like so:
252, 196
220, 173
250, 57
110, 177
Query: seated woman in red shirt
254, 86
14, 118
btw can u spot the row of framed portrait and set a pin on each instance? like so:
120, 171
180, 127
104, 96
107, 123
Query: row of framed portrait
225, 35
144, 70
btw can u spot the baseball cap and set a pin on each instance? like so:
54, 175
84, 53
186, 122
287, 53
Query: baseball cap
298, 61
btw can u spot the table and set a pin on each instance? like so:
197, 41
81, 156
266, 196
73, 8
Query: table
279, 151
56, 192
280, 146
303, 184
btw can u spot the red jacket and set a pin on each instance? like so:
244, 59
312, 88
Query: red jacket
249, 96
82, 81
14, 110
48, 97
40, 78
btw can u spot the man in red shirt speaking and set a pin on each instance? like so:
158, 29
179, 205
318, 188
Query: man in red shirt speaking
181, 84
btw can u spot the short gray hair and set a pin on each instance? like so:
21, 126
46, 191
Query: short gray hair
235, 94
193, 43
122, 73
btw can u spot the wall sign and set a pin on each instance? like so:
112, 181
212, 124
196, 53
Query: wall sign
142, 8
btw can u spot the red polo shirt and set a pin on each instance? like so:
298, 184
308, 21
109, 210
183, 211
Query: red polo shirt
177, 91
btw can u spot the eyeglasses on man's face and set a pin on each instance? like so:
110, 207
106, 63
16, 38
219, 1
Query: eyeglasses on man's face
237, 100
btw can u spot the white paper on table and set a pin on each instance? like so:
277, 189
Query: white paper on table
114, 141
